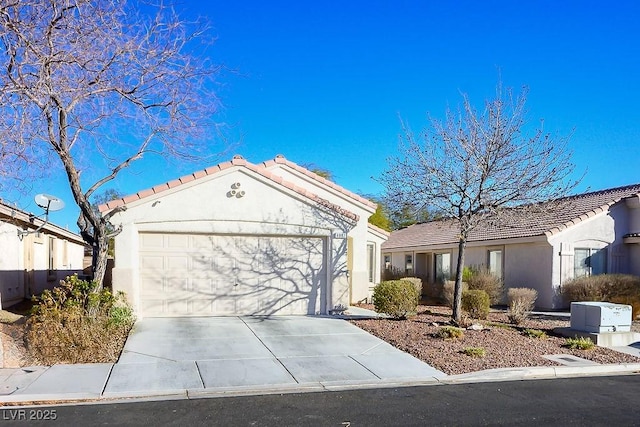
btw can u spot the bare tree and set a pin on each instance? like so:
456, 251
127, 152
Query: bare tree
473, 166
93, 85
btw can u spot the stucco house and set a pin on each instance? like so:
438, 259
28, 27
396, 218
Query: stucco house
34, 261
241, 238
586, 234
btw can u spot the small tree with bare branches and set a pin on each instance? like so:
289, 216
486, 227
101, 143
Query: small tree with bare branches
473, 166
92, 86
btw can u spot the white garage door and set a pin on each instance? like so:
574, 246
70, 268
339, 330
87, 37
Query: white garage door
204, 275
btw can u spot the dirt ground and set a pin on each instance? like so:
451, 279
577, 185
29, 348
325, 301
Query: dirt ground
505, 346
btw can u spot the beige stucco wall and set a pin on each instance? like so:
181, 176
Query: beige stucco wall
205, 206
360, 235
11, 265
24, 264
526, 264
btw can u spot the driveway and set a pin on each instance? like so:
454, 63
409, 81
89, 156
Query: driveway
201, 354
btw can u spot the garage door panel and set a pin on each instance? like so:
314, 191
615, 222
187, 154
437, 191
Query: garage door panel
176, 241
177, 263
230, 275
152, 262
150, 242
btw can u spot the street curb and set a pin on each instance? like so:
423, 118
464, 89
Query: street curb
542, 372
491, 375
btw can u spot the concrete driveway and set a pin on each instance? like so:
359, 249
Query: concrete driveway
201, 354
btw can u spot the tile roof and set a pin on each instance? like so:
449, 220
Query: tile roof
378, 230
519, 223
281, 160
260, 169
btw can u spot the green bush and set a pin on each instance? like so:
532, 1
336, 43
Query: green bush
450, 333
474, 351
448, 291
616, 288
534, 333
467, 272
73, 324
397, 298
476, 303
482, 279
521, 302
579, 343
416, 281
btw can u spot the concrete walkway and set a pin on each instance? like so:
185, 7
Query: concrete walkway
195, 357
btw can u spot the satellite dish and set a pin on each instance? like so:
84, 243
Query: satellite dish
48, 202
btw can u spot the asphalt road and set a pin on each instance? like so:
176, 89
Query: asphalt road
610, 401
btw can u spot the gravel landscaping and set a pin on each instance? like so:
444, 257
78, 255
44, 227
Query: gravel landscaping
505, 345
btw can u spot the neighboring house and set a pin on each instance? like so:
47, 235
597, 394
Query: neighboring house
32, 262
241, 238
587, 234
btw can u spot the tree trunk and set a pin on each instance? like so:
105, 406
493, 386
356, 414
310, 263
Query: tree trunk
100, 258
457, 293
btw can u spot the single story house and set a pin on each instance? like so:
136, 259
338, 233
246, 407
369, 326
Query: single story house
242, 239
34, 261
586, 234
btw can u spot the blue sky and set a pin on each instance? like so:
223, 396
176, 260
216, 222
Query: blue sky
326, 82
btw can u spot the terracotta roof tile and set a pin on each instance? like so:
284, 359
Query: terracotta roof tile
241, 162
561, 214
280, 159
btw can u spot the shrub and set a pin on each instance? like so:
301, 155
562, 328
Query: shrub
73, 324
450, 332
397, 298
521, 302
448, 289
616, 288
391, 273
579, 343
534, 333
482, 279
476, 303
467, 272
474, 351
416, 281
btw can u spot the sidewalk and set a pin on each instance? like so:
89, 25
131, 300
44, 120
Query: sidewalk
168, 379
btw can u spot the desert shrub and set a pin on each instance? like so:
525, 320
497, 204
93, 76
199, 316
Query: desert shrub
632, 300
474, 351
521, 302
448, 291
534, 333
482, 279
391, 273
450, 332
73, 324
416, 281
397, 298
467, 272
476, 303
579, 343
616, 288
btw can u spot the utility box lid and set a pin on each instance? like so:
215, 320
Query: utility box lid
598, 317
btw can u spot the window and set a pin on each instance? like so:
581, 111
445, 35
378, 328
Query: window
589, 262
371, 261
387, 262
408, 264
442, 263
495, 262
